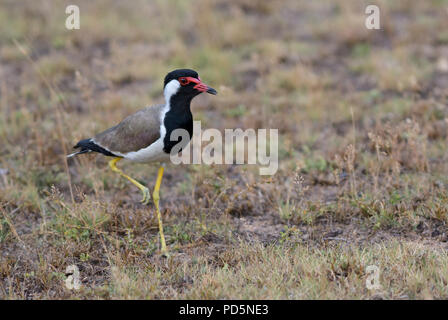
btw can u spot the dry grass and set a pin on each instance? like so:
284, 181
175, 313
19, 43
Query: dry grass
363, 130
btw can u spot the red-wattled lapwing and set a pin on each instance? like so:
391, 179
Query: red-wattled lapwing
145, 135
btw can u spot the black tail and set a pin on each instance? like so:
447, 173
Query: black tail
87, 145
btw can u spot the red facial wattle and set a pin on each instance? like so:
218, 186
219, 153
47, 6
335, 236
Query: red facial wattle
200, 86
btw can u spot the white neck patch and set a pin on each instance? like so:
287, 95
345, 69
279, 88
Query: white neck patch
171, 89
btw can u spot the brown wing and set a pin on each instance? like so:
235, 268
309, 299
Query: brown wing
135, 132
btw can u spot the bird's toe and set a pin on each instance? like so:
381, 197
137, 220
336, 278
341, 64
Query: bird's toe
146, 196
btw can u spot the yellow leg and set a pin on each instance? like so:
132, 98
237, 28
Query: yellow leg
156, 197
145, 191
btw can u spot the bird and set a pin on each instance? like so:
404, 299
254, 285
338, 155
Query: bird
145, 135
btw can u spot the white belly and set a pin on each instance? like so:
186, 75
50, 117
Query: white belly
153, 153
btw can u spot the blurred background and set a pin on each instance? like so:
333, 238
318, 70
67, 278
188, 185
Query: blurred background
362, 121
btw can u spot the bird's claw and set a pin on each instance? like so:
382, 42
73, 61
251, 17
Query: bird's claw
146, 196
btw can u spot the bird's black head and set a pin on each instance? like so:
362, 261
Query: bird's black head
185, 82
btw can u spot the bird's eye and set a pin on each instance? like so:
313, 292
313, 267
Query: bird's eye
183, 81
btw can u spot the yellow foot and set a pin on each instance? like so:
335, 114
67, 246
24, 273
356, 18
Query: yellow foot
165, 253
146, 196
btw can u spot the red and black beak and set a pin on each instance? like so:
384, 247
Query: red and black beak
202, 87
